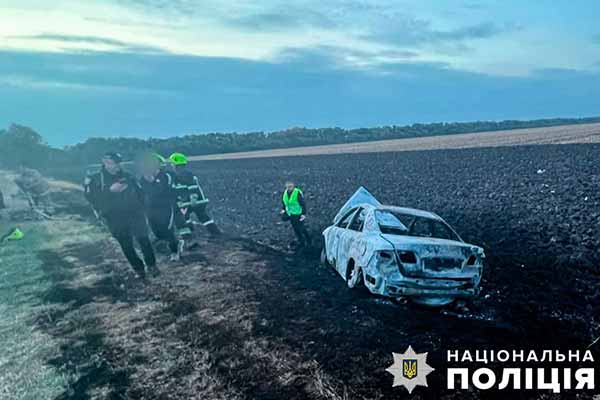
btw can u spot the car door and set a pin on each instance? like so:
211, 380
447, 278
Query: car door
337, 232
349, 246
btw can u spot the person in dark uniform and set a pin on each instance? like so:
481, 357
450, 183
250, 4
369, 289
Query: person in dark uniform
161, 202
191, 198
293, 208
117, 198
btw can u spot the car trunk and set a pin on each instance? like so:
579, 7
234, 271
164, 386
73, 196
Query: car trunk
436, 258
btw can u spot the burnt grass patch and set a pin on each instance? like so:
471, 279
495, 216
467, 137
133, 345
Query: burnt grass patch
243, 317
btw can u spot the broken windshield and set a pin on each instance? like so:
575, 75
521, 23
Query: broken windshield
395, 223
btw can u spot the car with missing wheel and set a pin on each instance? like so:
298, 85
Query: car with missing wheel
401, 252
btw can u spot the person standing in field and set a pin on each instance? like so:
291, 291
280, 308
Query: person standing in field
294, 210
160, 199
117, 198
191, 198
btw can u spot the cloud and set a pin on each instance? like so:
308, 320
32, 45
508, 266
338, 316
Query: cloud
84, 42
335, 58
483, 30
164, 95
414, 32
183, 7
33, 83
473, 5
75, 39
289, 19
469, 35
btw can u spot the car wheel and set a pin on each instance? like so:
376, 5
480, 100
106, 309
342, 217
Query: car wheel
354, 276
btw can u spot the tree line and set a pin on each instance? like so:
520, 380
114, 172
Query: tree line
22, 146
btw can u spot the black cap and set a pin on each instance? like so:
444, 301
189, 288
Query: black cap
116, 157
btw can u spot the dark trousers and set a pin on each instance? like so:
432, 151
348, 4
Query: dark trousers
300, 230
125, 231
203, 218
163, 226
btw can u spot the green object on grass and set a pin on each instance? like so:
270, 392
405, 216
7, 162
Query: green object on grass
15, 234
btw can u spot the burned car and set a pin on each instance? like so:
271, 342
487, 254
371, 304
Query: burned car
401, 252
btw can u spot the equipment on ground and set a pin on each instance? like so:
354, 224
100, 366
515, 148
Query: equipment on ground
13, 234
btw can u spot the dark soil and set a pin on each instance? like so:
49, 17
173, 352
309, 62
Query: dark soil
246, 318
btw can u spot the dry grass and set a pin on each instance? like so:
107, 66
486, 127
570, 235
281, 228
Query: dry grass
26, 373
190, 334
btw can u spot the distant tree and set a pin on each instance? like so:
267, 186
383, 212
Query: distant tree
20, 145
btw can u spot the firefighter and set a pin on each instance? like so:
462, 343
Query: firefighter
161, 202
191, 198
117, 198
294, 210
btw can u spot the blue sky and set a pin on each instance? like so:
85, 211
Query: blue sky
73, 69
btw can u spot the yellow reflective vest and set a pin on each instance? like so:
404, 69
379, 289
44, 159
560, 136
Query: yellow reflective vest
291, 202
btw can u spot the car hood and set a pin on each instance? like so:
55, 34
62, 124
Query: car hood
361, 196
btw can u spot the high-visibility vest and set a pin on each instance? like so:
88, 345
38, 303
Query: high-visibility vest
292, 205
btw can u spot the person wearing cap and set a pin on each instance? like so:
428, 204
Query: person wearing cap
161, 201
191, 198
117, 198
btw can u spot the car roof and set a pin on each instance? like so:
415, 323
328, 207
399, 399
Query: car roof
404, 210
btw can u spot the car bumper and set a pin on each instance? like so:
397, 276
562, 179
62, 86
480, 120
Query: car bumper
433, 288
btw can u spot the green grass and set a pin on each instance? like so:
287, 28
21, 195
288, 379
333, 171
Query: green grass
25, 373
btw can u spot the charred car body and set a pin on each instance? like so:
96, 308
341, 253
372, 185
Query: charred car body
401, 252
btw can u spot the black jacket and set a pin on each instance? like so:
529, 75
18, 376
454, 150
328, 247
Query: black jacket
114, 205
159, 195
184, 179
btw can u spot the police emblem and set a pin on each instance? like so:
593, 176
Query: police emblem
410, 369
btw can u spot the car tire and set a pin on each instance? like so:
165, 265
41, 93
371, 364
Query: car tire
354, 276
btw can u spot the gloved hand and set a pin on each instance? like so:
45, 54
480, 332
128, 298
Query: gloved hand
302, 218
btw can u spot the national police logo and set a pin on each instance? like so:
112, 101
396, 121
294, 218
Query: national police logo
410, 369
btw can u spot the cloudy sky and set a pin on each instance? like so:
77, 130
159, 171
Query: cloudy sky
75, 69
